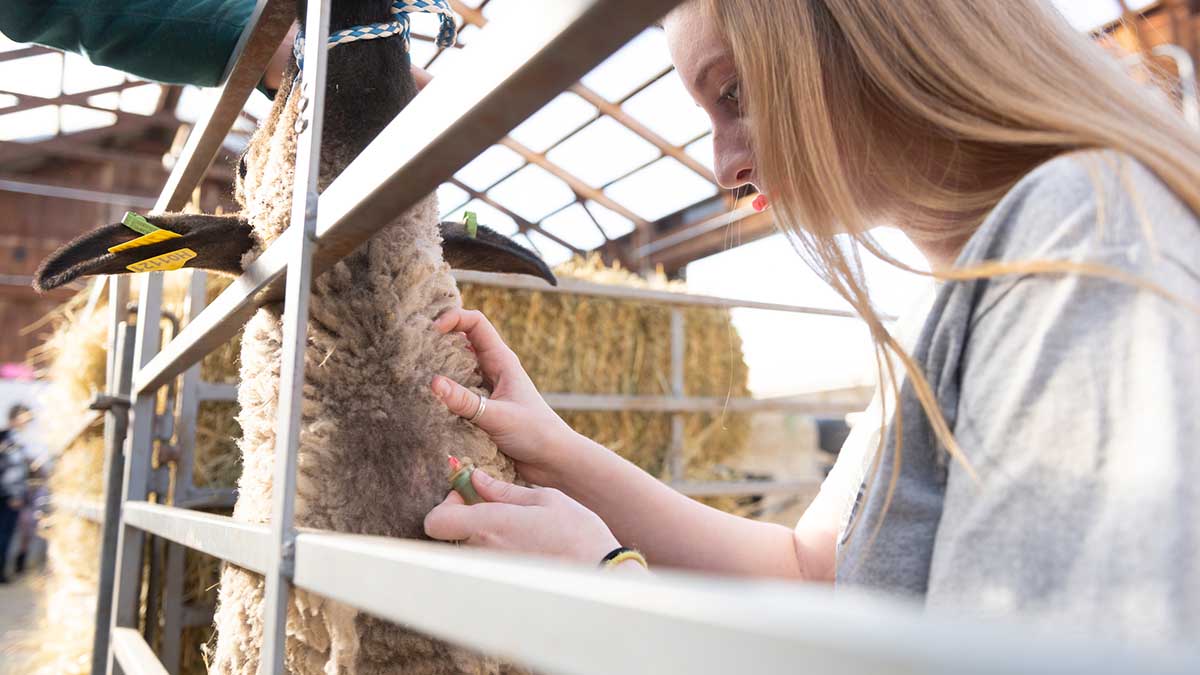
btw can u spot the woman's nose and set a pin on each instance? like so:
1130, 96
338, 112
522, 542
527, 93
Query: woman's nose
733, 164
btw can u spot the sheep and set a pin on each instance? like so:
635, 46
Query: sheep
373, 439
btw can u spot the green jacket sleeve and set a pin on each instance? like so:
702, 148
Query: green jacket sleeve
177, 41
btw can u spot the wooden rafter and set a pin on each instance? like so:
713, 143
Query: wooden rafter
29, 101
580, 188
523, 224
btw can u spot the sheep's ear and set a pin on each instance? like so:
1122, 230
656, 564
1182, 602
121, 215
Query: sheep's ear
488, 251
215, 243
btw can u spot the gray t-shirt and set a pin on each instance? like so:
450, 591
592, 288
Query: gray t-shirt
1075, 399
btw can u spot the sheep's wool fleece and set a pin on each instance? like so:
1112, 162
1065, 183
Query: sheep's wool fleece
373, 440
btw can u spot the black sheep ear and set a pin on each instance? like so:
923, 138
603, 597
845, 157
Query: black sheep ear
488, 251
215, 243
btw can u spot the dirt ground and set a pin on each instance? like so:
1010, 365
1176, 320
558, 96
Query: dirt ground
16, 613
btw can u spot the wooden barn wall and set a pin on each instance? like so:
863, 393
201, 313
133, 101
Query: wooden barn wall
32, 227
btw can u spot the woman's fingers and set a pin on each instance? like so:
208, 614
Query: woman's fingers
483, 336
460, 400
421, 77
502, 492
465, 403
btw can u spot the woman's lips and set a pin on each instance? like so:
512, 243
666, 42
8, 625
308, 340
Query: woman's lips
761, 203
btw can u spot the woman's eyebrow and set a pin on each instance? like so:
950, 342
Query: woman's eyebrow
705, 71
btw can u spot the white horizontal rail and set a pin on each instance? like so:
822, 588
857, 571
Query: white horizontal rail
570, 620
513, 68
578, 287
134, 655
745, 487
576, 620
691, 404
243, 544
88, 509
216, 391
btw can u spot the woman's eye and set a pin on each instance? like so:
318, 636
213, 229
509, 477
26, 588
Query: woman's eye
732, 94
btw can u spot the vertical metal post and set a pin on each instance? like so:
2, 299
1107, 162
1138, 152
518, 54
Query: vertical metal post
185, 434
138, 448
675, 454
295, 336
115, 425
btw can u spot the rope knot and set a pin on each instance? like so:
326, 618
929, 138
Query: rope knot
397, 26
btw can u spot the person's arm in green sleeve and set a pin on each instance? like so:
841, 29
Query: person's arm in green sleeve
176, 41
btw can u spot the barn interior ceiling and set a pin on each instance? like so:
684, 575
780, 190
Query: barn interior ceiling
620, 163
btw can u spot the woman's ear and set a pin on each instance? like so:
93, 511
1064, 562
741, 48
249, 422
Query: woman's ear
162, 242
487, 251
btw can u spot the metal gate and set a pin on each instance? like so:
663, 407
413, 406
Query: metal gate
550, 616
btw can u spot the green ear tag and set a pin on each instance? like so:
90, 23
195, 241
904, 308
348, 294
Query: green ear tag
137, 223
472, 223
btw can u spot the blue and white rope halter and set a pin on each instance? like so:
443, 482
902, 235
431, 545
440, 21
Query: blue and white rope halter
399, 25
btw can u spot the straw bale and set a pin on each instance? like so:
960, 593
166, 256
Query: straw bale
568, 343
591, 345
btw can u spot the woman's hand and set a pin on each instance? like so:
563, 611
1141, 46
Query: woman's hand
516, 417
541, 521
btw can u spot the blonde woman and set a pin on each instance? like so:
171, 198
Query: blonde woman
1040, 459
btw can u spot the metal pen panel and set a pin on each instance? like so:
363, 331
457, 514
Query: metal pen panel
188, 408
512, 69
571, 619
133, 655
138, 448
295, 335
243, 544
115, 427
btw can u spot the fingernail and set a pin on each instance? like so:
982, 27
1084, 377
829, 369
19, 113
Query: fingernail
482, 477
441, 387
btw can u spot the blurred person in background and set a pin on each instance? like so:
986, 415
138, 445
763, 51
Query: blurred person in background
14, 483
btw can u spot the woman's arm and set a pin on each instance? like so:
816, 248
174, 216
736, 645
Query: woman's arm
640, 511
179, 42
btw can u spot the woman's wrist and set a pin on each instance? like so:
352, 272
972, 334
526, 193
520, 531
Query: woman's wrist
565, 450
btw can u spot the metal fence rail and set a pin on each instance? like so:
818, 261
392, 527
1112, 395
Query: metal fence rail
677, 623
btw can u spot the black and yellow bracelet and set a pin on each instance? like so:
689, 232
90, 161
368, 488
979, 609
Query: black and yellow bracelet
620, 555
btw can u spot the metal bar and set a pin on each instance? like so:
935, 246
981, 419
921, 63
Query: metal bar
30, 101
690, 404
188, 407
87, 509
576, 184
677, 623
1186, 67
223, 317
745, 487
513, 69
138, 449
268, 25
629, 122
133, 654
310, 124
76, 194
577, 287
210, 498
243, 544
25, 52
116, 424
216, 391
678, 346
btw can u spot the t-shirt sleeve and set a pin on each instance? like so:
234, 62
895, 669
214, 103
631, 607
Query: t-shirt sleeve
1078, 412
177, 41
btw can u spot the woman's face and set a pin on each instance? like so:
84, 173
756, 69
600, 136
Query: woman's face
705, 64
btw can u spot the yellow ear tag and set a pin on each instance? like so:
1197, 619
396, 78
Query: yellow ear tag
145, 240
163, 263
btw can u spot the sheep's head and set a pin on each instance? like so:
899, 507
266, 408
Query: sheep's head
375, 71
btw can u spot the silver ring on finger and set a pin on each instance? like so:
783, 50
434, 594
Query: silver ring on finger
479, 411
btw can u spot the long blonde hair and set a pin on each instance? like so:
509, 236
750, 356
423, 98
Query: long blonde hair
942, 105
